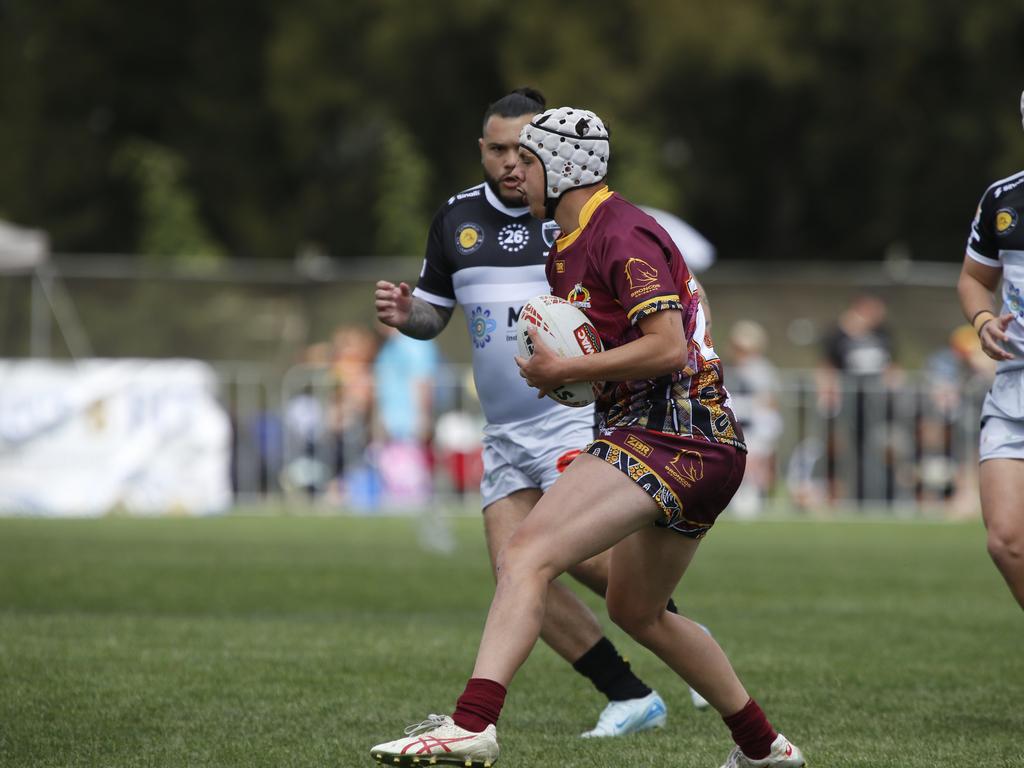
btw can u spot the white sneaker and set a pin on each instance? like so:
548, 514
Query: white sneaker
783, 755
699, 701
631, 716
438, 740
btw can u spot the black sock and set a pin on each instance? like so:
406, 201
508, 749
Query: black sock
610, 673
671, 607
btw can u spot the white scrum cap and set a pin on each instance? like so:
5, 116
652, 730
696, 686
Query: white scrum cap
572, 145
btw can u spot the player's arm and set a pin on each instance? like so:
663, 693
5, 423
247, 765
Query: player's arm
660, 351
976, 289
413, 316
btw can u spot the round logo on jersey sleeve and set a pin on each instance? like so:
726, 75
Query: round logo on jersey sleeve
468, 238
1006, 221
513, 237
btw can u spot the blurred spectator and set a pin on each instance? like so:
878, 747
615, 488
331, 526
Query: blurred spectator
457, 443
855, 382
955, 376
304, 426
268, 435
754, 386
349, 415
304, 421
404, 374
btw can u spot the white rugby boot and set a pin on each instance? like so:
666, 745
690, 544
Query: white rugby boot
783, 755
439, 741
699, 701
630, 716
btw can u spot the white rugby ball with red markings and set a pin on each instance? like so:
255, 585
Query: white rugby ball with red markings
568, 332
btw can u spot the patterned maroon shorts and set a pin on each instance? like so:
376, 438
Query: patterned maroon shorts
691, 480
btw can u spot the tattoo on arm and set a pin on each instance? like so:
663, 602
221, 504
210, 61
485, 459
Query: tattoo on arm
426, 320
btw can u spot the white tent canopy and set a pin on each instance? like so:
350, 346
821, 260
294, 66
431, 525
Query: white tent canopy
27, 252
698, 252
22, 250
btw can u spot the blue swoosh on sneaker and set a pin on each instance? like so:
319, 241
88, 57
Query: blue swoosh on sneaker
657, 708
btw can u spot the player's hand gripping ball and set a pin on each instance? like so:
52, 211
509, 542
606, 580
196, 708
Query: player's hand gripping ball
568, 332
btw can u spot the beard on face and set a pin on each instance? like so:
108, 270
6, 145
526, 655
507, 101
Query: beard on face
512, 199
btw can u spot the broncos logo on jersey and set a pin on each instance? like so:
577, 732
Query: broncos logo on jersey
640, 274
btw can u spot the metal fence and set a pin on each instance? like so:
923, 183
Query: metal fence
906, 447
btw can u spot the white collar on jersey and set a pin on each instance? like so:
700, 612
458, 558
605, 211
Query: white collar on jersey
494, 200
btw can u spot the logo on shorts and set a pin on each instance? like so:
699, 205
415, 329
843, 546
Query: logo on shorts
481, 326
566, 458
468, 238
1006, 221
686, 468
638, 445
642, 277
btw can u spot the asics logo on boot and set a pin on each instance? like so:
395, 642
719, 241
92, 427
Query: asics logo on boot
426, 747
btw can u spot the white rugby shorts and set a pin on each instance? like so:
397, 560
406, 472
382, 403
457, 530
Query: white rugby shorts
1002, 418
533, 453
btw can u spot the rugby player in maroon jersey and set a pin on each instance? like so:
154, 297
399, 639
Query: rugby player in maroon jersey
667, 459
486, 253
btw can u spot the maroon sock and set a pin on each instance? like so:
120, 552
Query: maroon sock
479, 705
751, 731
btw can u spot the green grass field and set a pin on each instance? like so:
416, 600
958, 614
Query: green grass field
282, 641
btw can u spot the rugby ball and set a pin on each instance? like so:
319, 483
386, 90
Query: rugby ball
569, 334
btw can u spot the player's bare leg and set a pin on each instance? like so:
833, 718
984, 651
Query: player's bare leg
1002, 507
569, 626
593, 573
637, 595
605, 509
645, 568
571, 629
608, 510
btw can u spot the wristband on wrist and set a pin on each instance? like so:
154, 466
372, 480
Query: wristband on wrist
985, 322
974, 320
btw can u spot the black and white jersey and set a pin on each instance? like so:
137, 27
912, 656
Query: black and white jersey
997, 240
489, 258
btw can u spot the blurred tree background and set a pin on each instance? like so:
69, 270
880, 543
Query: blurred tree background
783, 129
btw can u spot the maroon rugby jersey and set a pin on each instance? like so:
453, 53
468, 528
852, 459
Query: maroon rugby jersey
618, 267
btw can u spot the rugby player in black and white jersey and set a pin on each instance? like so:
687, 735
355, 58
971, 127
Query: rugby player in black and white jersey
995, 250
486, 253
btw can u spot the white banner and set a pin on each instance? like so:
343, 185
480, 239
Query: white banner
87, 438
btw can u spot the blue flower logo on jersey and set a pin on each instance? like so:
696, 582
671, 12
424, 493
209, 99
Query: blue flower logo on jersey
1014, 301
481, 326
